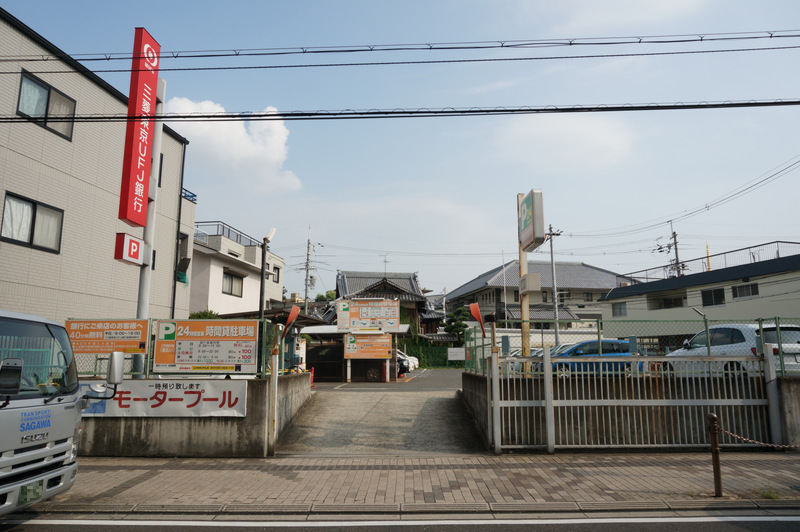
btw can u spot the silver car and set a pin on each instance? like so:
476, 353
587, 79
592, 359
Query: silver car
740, 339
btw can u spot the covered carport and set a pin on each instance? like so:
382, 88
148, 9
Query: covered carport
325, 355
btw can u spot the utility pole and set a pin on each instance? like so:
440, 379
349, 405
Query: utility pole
678, 268
308, 268
553, 234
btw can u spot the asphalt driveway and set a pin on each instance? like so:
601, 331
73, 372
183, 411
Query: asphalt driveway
421, 414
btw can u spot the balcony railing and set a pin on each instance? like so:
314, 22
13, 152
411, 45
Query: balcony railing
738, 257
206, 229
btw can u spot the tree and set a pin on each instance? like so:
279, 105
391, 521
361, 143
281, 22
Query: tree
330, 295
456, 323
203, 315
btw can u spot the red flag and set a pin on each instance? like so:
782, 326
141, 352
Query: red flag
475, 310
292, 316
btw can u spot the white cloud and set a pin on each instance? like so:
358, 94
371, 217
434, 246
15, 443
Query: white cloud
577, 17
566, 142
249, 154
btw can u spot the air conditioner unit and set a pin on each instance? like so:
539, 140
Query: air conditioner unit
530, 283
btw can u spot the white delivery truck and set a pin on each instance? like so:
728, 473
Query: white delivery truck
40, 409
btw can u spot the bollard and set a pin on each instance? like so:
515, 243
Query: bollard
312, 376
713, 428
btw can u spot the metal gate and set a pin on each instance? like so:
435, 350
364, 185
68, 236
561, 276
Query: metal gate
626, 402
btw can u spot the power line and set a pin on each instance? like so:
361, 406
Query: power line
350, 114
426, 47
429, 62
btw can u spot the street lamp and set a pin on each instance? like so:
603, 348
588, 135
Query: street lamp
264, 273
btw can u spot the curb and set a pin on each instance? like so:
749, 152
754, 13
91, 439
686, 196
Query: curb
421, 508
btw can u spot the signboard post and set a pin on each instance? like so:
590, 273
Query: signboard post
138, 134
530, 224
368, 315
97, 339
368, 346
206, 346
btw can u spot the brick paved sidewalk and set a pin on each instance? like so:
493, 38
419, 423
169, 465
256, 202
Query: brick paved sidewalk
440, 484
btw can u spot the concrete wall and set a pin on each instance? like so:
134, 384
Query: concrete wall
474, 393
199, 437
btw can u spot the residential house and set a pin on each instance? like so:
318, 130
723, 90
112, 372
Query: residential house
745, 284
404, 287
579, 287
226, 272
60, 181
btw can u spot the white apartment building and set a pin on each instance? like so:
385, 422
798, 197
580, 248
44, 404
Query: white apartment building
60, 192
226, 272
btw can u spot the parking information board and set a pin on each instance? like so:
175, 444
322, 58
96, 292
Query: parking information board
206, 346
371, 346
360, 316
101, 337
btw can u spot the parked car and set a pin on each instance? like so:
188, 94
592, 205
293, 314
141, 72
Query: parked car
413, 362
403, 365
584, 358
738, 339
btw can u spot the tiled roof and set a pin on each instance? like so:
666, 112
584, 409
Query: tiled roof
569, 275
402, 286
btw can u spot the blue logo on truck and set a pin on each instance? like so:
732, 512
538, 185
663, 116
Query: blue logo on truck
34, 420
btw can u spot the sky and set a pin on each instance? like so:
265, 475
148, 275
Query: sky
437, 196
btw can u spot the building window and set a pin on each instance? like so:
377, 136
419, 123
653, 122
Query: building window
713, 297
232, 284
277, 277
564, 296
46, 106
516, 296
31, 223
587, 296
544, 296
745, 290
619, 309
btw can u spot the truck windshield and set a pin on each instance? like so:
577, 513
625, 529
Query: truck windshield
48, 364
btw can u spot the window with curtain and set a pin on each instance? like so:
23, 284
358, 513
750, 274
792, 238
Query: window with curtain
46, 106
31, 223
232, 284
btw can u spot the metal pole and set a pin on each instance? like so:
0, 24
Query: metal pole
524, 302
263, 278
495, 365
272, 427
549, 412
146, 270
145, 273
555, 289
773, 395
713, 428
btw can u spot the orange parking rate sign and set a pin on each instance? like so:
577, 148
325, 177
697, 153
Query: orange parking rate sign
207, 346
101, 337
368, 346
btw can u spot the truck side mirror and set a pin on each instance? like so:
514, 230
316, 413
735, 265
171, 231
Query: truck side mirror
116, 368
10, 376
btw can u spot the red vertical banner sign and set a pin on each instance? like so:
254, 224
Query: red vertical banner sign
139, 131
475, 310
